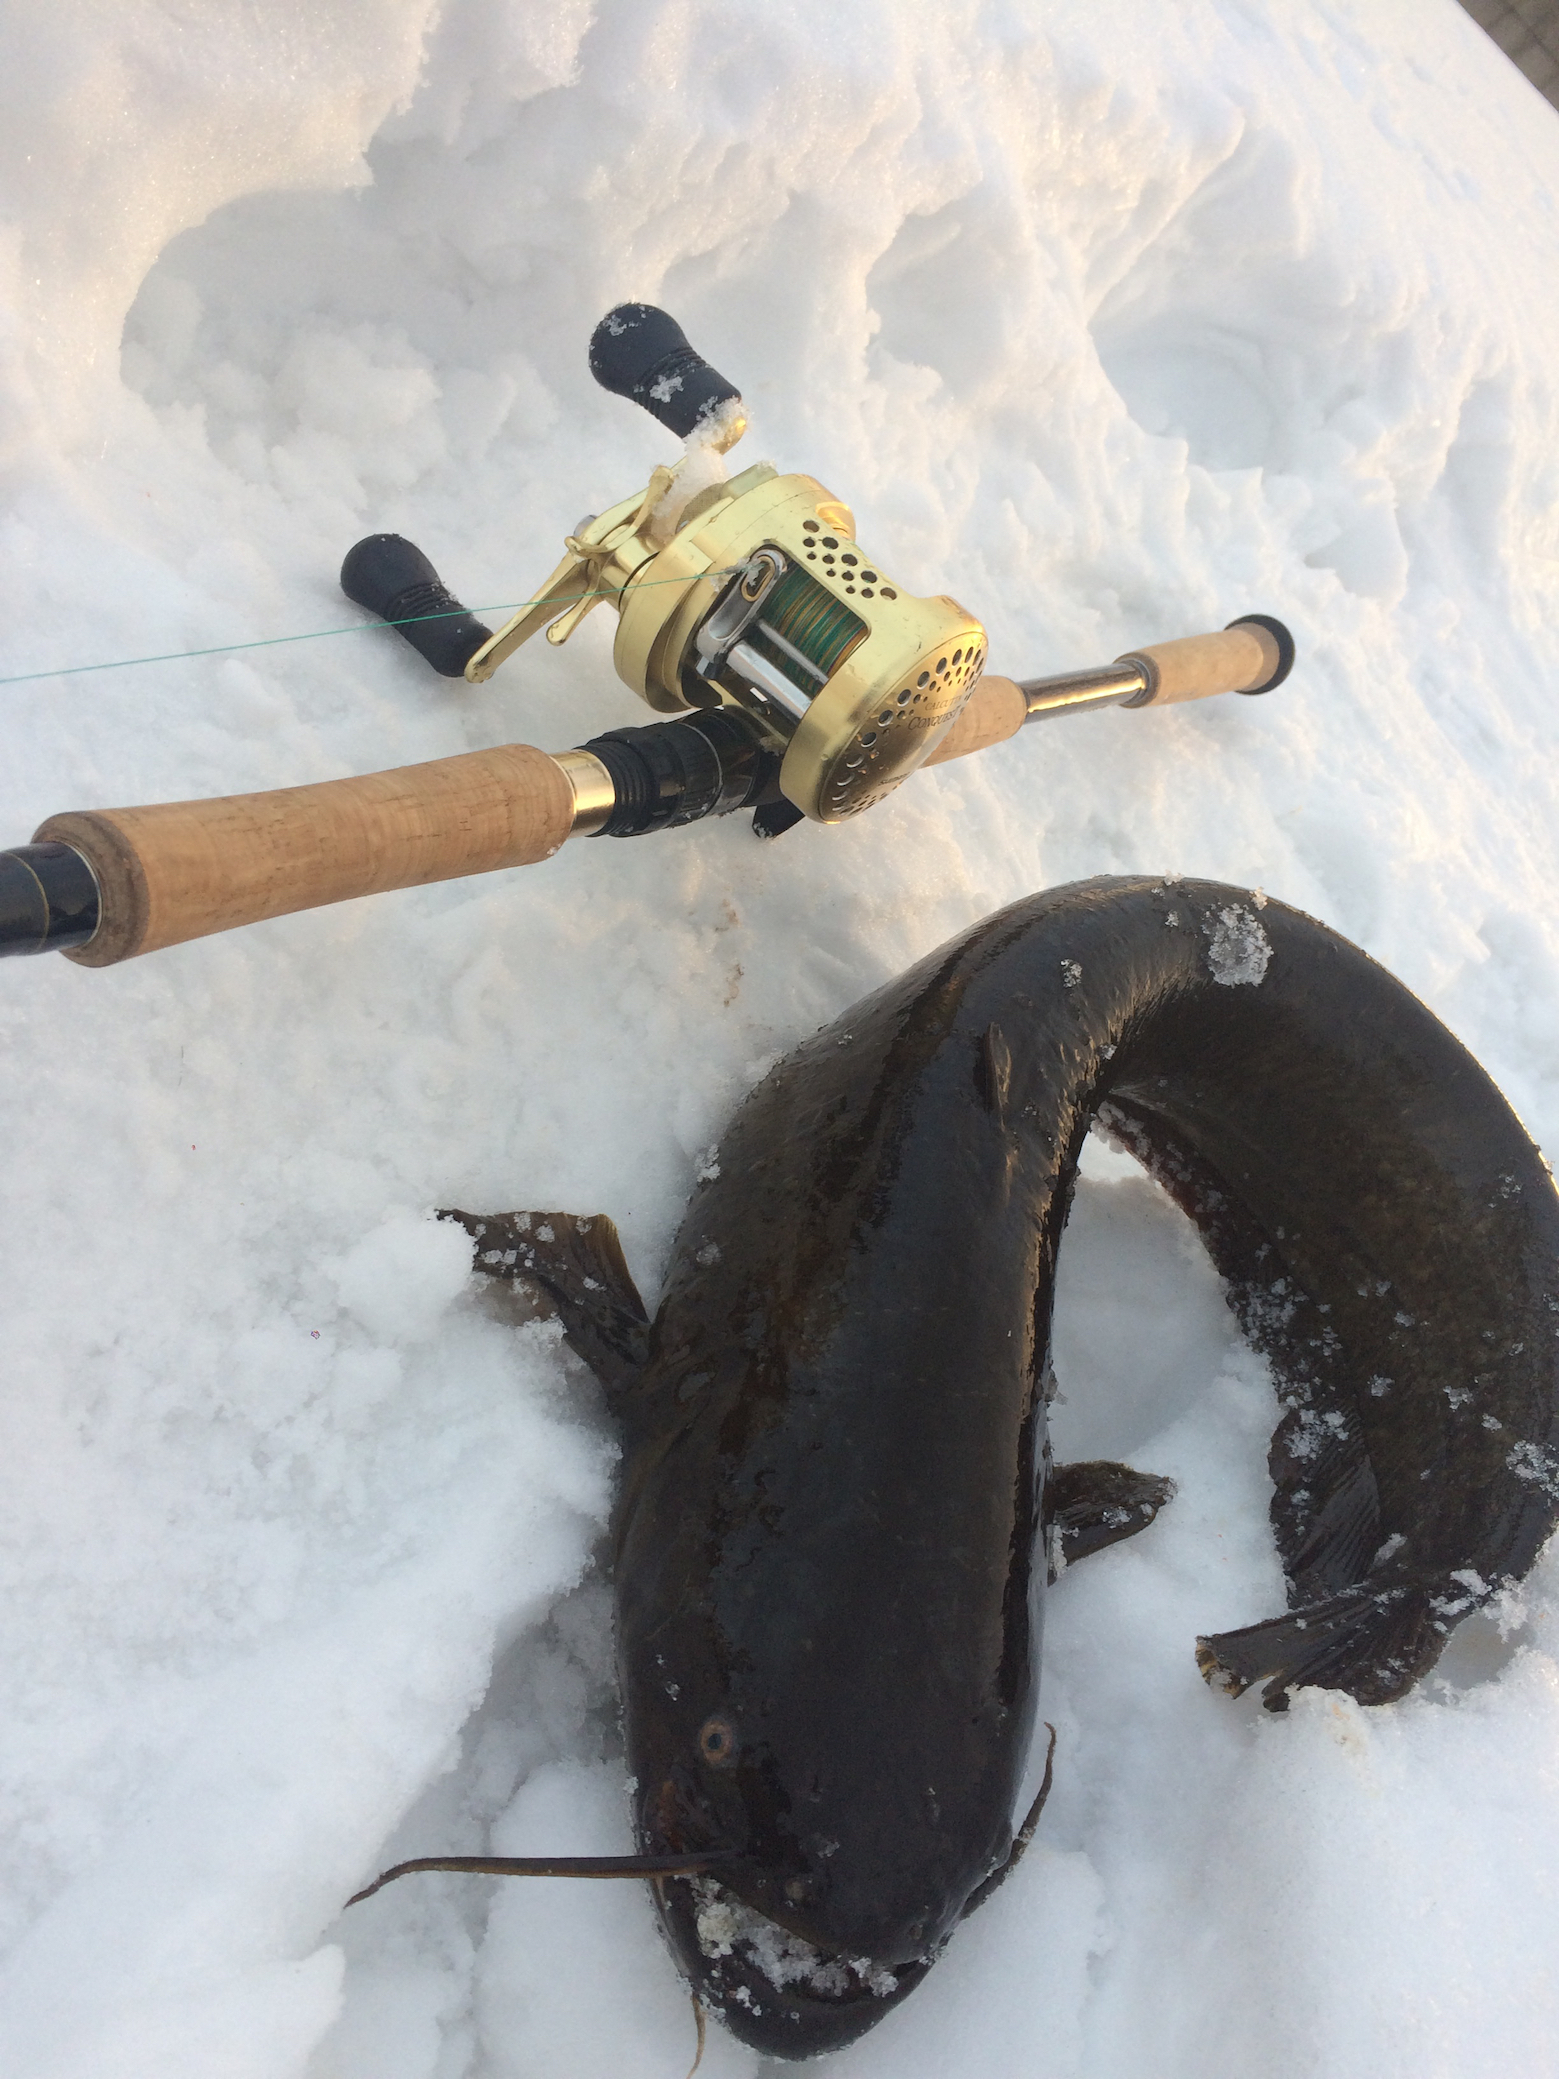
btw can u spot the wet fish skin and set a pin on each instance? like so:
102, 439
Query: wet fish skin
835, 1452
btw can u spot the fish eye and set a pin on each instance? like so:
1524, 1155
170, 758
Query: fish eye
717, 1742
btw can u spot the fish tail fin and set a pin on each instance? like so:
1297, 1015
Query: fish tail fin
1374, 1643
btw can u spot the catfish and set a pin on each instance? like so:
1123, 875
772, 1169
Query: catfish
838, 1513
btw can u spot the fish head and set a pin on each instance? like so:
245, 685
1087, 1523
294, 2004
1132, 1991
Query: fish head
833, 1882
746, 1932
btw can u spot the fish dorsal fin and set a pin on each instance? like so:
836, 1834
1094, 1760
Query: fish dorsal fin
570, 1267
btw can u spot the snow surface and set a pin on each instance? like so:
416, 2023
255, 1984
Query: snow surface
1113, 318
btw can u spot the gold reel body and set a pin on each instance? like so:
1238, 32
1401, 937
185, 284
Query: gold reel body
762, 600
875, 676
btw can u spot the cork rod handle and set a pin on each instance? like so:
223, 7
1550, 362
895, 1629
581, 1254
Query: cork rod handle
995, 710
181, 869
1250, 656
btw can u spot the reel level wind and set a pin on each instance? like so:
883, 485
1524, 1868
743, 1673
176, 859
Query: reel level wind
797, 679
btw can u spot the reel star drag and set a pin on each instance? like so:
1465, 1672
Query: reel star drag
804, 683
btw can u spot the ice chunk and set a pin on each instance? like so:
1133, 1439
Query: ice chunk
1238, 950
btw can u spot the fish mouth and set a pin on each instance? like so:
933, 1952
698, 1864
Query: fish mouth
773, 1989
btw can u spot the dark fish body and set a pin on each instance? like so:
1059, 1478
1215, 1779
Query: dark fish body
829, 1567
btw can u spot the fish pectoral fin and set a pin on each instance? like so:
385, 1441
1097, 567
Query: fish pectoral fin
567, 1267
1095, 1503
1326, 1516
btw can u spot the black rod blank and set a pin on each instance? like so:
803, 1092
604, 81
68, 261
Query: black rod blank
48, 899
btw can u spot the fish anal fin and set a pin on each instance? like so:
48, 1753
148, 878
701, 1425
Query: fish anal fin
1326, 1516
1094, 1503
569, 1267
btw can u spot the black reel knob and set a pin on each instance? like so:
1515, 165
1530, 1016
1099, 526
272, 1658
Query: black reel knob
393, 579
638, 351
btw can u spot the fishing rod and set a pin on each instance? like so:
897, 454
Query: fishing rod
801, 681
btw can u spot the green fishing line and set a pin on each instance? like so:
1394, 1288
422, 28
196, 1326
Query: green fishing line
809, 617
266, 642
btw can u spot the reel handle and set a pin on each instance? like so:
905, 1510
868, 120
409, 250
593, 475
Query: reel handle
642, 353
391, 577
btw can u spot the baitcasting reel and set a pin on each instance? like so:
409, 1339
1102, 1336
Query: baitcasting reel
746, 597
798, 679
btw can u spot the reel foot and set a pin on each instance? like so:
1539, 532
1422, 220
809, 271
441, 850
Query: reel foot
774, 818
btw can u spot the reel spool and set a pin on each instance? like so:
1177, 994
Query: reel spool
748, 594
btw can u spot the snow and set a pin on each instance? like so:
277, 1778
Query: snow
724, 1924
1114, 321
1238, 950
